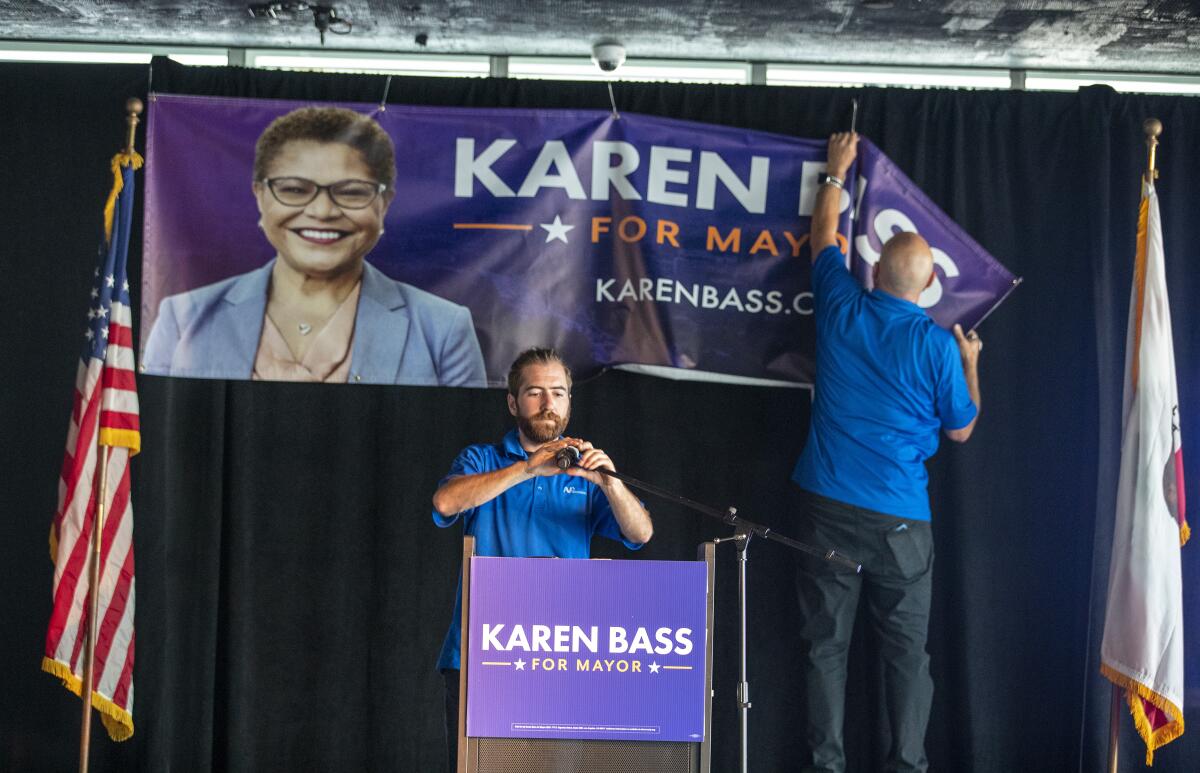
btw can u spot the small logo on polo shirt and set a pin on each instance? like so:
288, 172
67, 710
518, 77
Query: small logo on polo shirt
573, 490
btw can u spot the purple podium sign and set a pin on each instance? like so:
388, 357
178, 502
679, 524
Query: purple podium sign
561, 648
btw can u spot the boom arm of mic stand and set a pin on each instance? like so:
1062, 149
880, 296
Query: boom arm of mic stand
731, 517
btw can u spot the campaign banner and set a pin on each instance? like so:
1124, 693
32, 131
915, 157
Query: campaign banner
561, 648
636, 241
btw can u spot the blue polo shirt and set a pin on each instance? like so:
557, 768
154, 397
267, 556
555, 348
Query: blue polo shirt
546, 516
888, 380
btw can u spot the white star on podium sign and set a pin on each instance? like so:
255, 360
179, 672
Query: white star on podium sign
556, 230
520, 664
654, 668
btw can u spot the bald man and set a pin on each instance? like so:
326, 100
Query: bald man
888, 382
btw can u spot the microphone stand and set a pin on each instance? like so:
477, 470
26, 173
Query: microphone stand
743, 532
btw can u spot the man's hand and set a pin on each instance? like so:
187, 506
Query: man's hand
542, 462
591, 459
843, 148
969, 346
631, 516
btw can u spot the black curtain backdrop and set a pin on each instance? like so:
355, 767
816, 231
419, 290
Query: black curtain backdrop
292, 590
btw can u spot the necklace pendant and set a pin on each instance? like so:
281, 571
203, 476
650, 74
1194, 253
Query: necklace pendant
304, 328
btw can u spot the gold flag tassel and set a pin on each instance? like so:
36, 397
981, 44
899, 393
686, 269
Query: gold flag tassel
127, 157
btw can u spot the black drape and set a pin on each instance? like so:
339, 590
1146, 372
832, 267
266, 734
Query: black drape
293, 591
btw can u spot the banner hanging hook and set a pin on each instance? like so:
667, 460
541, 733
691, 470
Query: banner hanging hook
387, 87
612, 100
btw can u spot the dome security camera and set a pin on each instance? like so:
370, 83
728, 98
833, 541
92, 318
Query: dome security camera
608, 56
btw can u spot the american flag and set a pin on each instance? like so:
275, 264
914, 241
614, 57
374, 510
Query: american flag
105, 412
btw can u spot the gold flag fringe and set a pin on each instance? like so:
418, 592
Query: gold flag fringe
1135, 690
133, 159
117, 721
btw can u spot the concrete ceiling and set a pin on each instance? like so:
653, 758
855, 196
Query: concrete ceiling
1103, 35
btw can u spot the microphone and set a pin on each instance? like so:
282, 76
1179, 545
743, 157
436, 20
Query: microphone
567, 456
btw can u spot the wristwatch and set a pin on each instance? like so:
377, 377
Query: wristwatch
827, 179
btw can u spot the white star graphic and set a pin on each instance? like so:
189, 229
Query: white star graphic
556, 230
95, 293
104, 332
101, 312
654, 668
110, 281
125, 285
91, 313
88, 334
520, 664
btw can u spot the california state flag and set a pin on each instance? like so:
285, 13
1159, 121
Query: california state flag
1142, 650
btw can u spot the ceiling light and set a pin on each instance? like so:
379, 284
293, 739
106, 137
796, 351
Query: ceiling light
108, 53
420, 64
65, 55
827, 75
642, 70
1138, 83
201, 60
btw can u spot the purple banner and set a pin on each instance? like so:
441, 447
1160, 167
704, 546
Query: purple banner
636, 241
586, 649
969, 284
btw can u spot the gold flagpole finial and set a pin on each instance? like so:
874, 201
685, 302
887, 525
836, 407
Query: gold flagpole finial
133, 108
1152, 127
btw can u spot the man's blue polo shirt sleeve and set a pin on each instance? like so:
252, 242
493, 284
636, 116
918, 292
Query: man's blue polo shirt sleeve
469, 462
831, 282
603, 521
955, 408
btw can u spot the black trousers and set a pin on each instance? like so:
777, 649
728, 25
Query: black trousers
451, 678
896, 582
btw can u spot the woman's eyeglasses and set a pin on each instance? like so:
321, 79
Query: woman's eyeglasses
347, 194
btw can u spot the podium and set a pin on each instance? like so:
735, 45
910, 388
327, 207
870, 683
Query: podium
582, 666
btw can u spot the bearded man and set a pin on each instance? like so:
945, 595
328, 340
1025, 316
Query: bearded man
513, 498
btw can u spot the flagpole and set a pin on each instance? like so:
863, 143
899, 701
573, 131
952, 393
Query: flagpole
85, 732
133, 107
1152, 128
1114, 728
